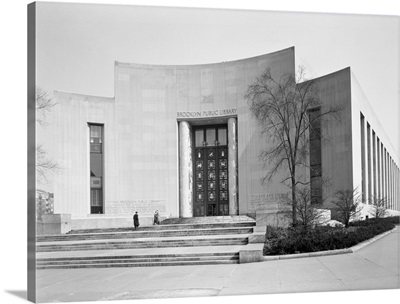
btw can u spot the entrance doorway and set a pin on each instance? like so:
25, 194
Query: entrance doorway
210, 162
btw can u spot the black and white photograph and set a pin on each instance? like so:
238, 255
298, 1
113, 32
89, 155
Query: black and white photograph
206, 153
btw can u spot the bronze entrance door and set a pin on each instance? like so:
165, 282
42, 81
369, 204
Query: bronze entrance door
211, 171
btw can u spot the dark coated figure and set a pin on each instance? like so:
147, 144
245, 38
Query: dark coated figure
136, 220
156, 218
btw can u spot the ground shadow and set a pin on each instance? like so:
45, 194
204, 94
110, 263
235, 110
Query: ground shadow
18, 293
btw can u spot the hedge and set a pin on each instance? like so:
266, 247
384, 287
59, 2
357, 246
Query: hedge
281, 241
393, 219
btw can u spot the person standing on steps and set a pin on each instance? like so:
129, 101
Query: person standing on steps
156, 220
136, 220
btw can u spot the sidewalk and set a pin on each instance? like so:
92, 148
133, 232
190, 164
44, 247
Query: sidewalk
375, 266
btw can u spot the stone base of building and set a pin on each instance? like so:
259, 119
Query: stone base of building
53, 224
106, 222
63, 223
273, 218
251, 253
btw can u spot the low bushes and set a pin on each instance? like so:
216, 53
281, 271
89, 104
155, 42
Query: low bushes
290, 240
395, 220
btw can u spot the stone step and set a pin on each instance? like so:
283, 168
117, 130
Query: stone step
206, 258
172, 254
140, 264
198, 241
111, 245
148, 260
145, 234
186, 226
137, 259
207, 219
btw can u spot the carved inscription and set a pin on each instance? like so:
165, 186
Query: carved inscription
200, 114
268, 202
143, 207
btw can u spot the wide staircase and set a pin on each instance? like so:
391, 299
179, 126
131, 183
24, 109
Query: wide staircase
188, 241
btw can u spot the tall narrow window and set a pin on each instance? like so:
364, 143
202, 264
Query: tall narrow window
222, 137
369, 167
387, 178
96, 169
199, 138
374, 162
363, 167
211, 137
383, 171
315, 156
379, 166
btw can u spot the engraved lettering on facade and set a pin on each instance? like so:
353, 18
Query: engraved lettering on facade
268, 201
128, 207
210, 113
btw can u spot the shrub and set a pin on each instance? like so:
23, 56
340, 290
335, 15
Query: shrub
347, 205
393, 220
281, 241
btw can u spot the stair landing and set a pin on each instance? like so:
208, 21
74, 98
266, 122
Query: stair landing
174, 242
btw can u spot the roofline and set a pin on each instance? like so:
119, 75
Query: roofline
83, 95
145, 65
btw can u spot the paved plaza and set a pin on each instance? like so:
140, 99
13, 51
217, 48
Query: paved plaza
375, 266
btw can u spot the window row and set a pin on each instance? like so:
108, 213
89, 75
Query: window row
380, 175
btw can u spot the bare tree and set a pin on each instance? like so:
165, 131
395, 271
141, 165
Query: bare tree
308, 212
378, 206
347, 203
44, 104
44, 164
282, 107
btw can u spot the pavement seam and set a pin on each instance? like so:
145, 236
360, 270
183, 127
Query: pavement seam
279, 277
377, 238
227, 278
337, 278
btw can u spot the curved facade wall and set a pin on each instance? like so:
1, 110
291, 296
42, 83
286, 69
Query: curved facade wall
151, 157
142, 138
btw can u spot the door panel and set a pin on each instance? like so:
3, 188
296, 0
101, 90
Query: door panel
211, 182
199, 191
223, 182
211, 173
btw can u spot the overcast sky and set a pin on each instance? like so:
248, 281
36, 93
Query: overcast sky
77, 45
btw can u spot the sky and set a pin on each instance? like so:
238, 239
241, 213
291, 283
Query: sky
77, 45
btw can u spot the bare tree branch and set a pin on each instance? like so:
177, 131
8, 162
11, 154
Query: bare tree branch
44, 104
347, 203
379, 206
44, 164
282, 108
308, 213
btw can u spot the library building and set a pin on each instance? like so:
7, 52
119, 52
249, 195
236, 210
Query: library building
181, 139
